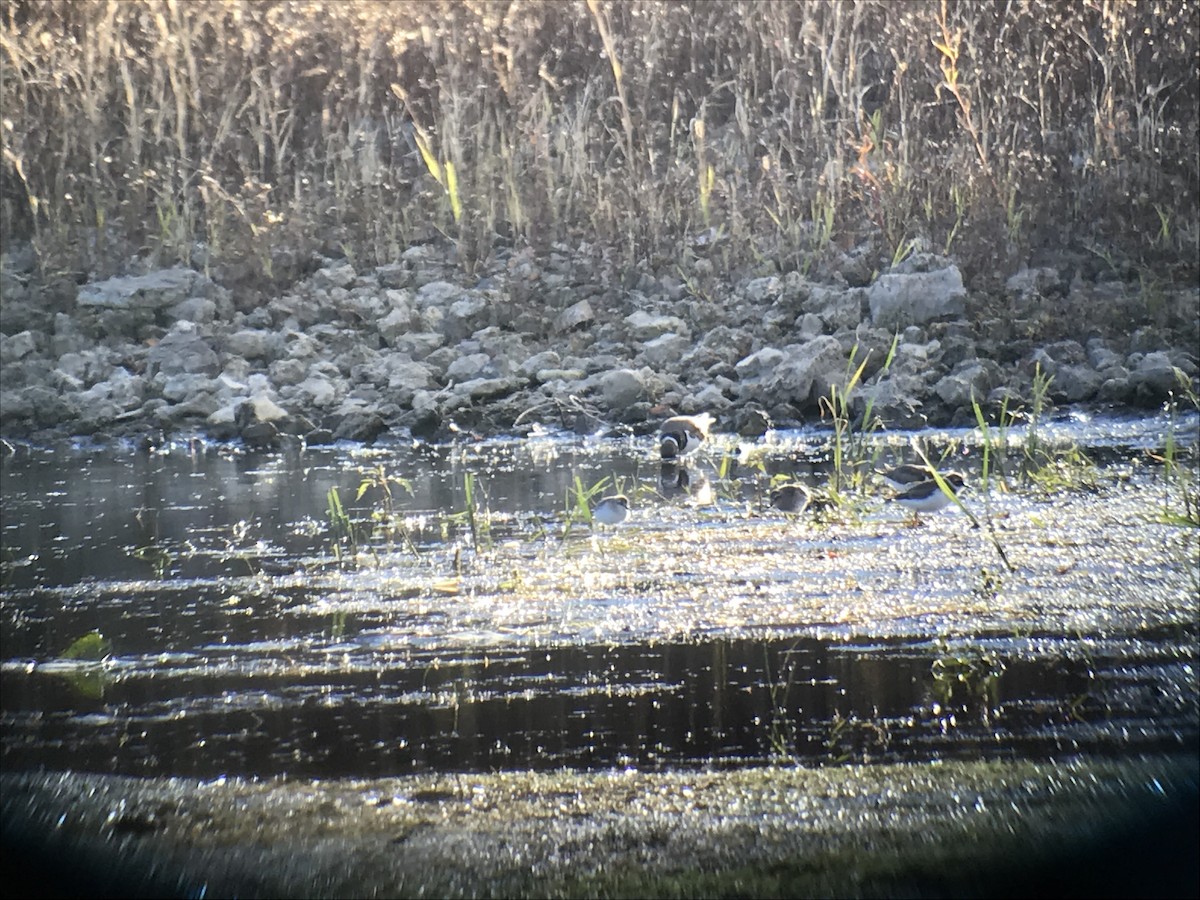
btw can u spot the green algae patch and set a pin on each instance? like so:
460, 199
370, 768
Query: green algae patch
888, 830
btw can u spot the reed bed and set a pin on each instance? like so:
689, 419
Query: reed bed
684, 137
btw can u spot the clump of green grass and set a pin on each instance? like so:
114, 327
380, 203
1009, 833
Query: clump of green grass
1048, 468
343, 533
854, 739
968, 678
783, 732
1181, 466
387, 521
579, 502
89, 680
854, 452
474, 514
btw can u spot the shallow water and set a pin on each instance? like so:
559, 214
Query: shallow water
709, 631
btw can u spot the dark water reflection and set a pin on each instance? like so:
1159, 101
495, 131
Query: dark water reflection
661, 706
207, 678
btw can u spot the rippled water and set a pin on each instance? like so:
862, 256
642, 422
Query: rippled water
710, 631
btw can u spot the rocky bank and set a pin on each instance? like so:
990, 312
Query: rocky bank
571, 340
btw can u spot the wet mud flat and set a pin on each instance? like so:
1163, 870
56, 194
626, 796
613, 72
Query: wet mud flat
1073, 828
714, 699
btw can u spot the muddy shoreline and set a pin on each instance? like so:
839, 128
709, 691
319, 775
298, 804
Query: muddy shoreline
955, 829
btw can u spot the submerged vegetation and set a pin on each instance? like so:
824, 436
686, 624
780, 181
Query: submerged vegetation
241, 137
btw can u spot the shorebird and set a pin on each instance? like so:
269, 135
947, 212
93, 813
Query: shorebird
611, 510
903, 477
791, 498
927, 496
681, 435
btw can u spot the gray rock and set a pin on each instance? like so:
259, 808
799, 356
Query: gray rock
1116, 389
122, 389
17, 346
406, 378
1028, 285
576, 316
762, 290
970, 381
759, 364
298, 345
560, 380
751, 422
505, 348
807, 372
1154, 378
834, 308
621, 388
393, 326
709, 398
398, 299
901, 299
1074, 383
438, 294
339, 276
64, 382
469, 314
1145, 339
250, 343
472, 366
358, 424
200, 310
230, 389
319, 391
665, 350
894, 400
40, 405
301, 310
260, 408
547, 359
644, 326
487, 388
419, 344
153, 292
439, 360
222, 422
182, 386
67, 336
728, 344
198, 406
262, 435
1066, 353
287, 372
182, 350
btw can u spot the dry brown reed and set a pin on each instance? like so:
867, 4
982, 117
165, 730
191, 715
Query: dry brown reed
244, 136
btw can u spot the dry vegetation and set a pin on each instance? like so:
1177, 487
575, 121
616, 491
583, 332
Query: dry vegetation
241, 137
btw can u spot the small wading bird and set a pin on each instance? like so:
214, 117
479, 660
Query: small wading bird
927, 496
903, 477
681, 435
611, 510
791, 498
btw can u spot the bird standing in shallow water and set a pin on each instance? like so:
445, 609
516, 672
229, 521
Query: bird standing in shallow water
903, 477
791, 498
611, 510
681, 435
927, 496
